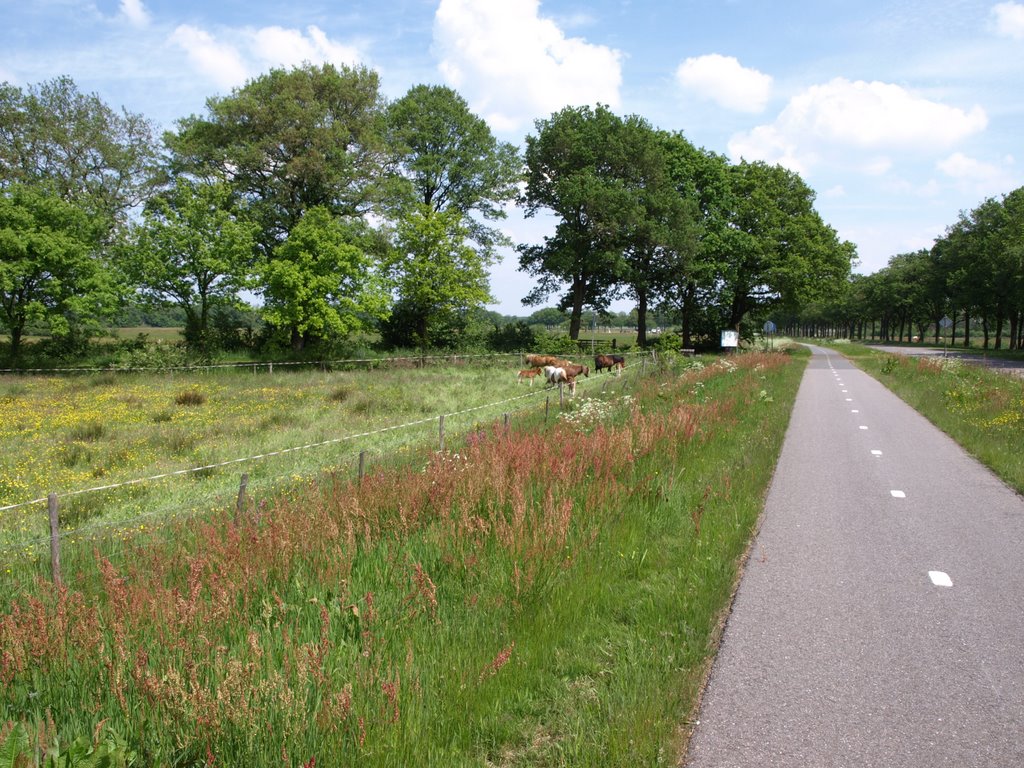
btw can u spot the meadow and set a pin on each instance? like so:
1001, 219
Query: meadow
68, 434
549, 593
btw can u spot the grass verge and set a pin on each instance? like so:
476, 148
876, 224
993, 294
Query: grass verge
542, 596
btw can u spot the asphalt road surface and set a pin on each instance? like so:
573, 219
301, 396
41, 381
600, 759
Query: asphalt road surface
880, 618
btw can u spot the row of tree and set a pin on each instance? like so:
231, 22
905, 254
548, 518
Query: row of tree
972, 277
341, 211
642, 213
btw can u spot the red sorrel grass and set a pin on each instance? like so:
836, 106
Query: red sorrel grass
308, 614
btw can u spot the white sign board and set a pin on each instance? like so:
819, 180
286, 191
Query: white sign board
730, 338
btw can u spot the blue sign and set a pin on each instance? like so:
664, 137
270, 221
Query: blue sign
769, 327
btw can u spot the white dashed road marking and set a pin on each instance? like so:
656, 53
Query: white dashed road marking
940, 579
898, 494
875, 452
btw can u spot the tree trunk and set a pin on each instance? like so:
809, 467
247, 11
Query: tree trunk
967, 329
576, 316
16, 331
422, 328
687, 315
298, 342
641, 318
737, 310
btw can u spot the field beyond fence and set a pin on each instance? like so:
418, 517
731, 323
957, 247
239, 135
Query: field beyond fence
541, 593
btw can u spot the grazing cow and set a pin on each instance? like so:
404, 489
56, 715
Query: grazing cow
567, 375
611, 362
554, 374
539, 361
528, 373
572, 370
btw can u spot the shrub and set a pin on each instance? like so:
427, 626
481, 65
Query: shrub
341, 393
87, 431
514, 337
141, 353
190, 397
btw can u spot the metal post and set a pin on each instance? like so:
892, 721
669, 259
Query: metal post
51, 503
240, 502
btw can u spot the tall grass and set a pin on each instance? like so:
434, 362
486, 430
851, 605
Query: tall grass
544, 595
63, 435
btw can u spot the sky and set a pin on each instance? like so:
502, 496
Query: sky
900, 114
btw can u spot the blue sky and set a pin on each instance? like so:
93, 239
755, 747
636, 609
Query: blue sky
899, 114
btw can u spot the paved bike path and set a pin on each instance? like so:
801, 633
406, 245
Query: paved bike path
880, 617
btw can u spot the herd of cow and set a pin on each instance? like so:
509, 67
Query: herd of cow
556, 370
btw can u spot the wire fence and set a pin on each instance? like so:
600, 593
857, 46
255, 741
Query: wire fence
584, 347
41, 548
269, 366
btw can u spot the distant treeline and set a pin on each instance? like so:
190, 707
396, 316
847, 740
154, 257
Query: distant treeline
347, 214
968, 286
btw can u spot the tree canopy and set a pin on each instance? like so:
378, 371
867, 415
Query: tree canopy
48, 270
288, 141
76, 147
193, 250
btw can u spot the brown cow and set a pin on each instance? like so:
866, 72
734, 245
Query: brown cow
611, 362
539, 361
529, 374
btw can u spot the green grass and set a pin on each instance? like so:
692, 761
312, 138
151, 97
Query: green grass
982, 409
548, 596
64, 434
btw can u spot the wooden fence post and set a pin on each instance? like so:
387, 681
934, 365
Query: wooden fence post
441, 433
51, 503
240, 502
506, 422
362, 464
547, 407
561, 396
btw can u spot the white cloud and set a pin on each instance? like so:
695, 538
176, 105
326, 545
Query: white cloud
856, 123
877, 166
725, 81
1009, 20
277, 47
513, 66
244, 53
135, 12
975, 174
220, 62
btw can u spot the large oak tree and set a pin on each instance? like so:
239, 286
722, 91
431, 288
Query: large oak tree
453, 179
579, 167
289, 142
